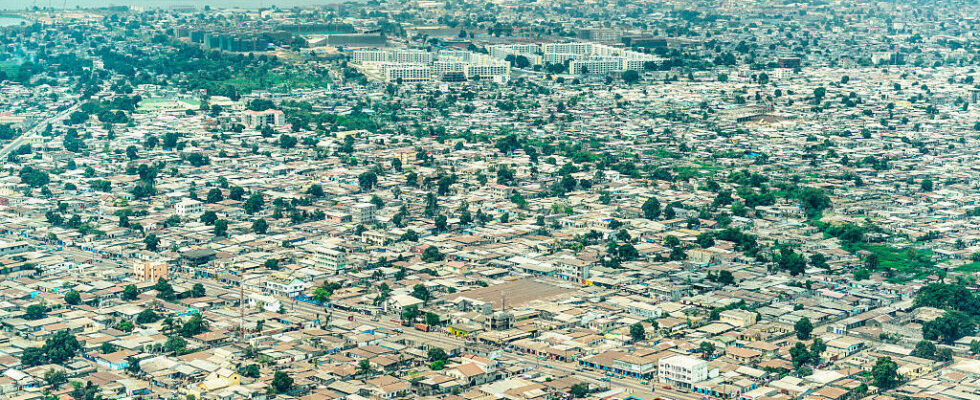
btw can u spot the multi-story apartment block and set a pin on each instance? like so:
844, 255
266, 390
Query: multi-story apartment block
149, 271
188, 207
682, 371
406, 72
255, 119
330, 259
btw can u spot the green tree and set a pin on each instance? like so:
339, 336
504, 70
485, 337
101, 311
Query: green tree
33, 356
198, 290
175, 344
816, 349
725, 277
819, 261
432, 254
236, 193
107, 348
254, 203
321, 295
630, 77
147, 316
367, 180
638, 332
208, 218
431, 319
260, 227
55, 378
420, 292
651, 208
151, 241
885, 373
800, 355
214, 195
790, 261
194, 326
315, 190
707, 349
813, 201
364, 367
410, 313
926, 185
125, 326
948, 296
35, 312
61, 347
129, 293
73, 298
925, 349
282, 382
819, 93
706, 240
862, 274
221, 228
579, 390
164, 290
803, 328
948, 328
251, 371
437, 354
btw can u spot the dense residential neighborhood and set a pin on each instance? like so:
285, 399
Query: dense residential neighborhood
479, 200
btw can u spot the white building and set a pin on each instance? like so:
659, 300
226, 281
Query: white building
682, 371
364, 56
529, 51
362, 213
281, 284
602, 66
409, 56
596, 58
497, 72
255, 119
266, 303
579, 48
645, 310
406, 72
738, 318
188, 207
329, 259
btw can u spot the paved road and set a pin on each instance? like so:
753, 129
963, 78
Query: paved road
36, 130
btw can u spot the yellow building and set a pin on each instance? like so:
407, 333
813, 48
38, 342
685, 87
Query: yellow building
149, 270
218, 380
406, 156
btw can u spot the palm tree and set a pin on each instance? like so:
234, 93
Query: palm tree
364, 367
169, 325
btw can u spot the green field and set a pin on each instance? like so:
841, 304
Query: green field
907, 264
969, 268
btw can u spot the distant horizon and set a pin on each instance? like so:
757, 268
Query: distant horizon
165, 4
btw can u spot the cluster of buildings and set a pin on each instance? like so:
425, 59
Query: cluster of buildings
415, 65
580, 57
517, 235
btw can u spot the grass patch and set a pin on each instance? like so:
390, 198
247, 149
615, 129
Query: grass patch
900, 265
970, 268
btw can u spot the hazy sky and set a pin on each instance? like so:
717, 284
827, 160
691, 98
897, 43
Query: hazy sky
22, 4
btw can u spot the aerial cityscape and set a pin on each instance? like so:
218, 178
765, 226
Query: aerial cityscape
490, 199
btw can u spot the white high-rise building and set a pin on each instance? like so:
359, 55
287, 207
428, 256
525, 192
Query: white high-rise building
406, 72
682, 371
